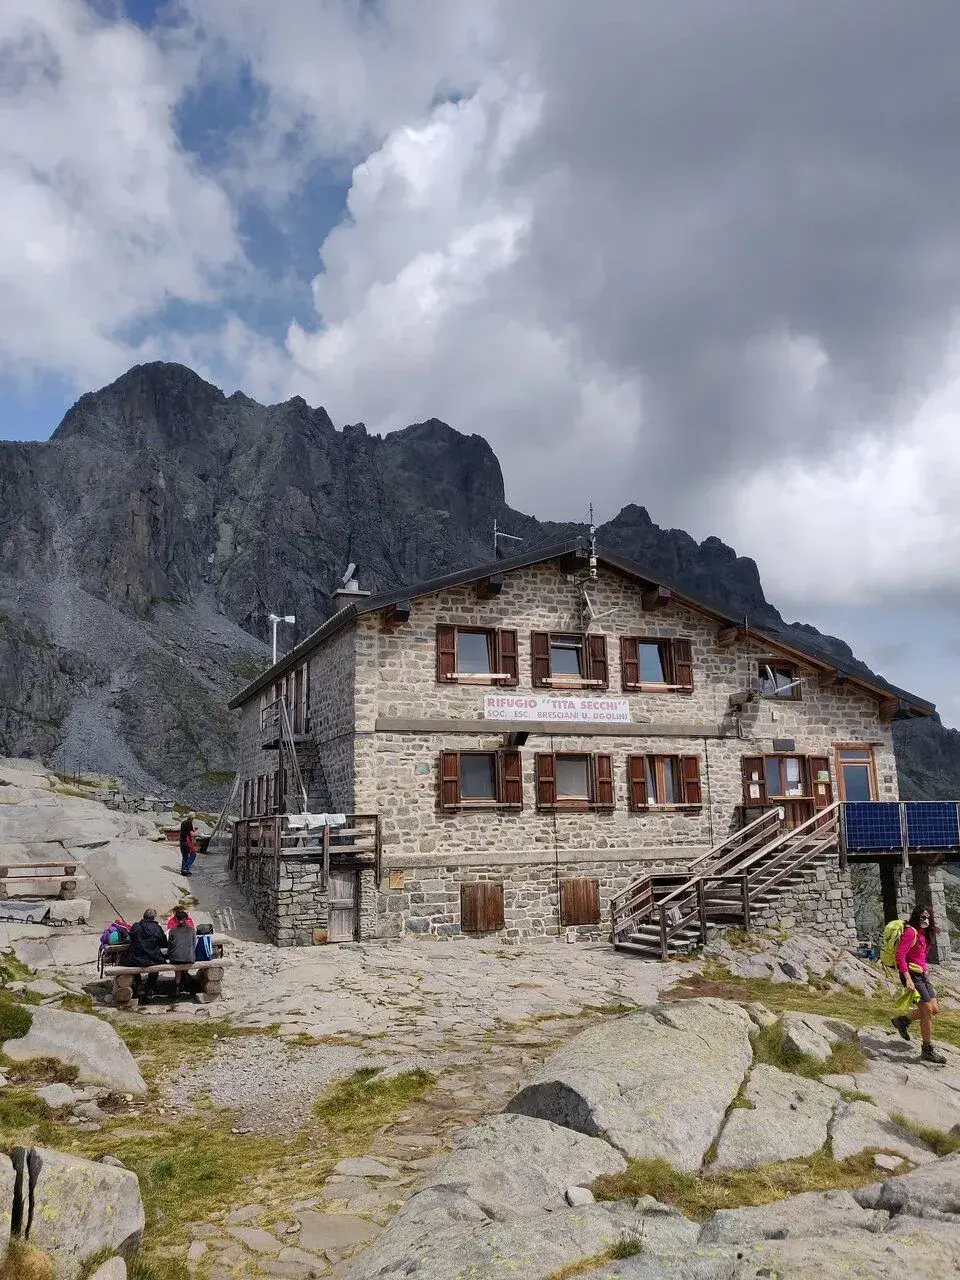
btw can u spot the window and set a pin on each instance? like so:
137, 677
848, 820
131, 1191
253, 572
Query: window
569, 661
655, 664
778, 680
574, 781
782, 778
579, 902
855, 769
476, 655
663, 781
246, 806
481, 779
481, 907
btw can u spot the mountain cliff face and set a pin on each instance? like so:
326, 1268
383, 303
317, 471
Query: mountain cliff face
144, 544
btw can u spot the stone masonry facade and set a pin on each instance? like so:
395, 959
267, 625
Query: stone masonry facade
380, 718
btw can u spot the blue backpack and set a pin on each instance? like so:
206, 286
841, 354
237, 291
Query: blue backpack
204, 946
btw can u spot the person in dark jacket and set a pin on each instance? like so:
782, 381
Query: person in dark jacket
182, 945
148, 944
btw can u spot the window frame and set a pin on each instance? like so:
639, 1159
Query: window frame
676, 660
871, 763
595, 660
502, 648
806, 792
599, 783
687, 780
508, 775
794, 695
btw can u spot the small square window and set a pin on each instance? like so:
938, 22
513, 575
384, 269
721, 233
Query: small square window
573, 778
566, 656
778, 680
653, 662
473, 653
478, 775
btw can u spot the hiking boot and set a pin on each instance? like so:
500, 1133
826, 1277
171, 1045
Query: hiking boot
902, 1025
929, 1054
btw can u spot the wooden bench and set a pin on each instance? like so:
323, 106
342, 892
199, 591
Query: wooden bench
210, 973
66, 873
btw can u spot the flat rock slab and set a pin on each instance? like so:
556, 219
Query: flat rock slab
336, 1232
927, 1095
789, 1118
256, 1239
814, 1213
928, 1192
83, 1041
810, 1034
112, 1269
655, 1084
860, 1126
366, 1167
82, 1208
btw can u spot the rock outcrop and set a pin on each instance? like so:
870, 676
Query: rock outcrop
144, 544
83, 1041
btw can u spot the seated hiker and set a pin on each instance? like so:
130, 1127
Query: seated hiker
182, 944
148, 943
172, 922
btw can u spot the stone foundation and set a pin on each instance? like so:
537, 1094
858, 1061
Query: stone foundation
821, 905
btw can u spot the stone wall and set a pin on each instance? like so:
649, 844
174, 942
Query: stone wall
290, 914
333, 689
822, 905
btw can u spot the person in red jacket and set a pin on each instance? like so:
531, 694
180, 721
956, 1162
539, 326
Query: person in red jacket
918, 933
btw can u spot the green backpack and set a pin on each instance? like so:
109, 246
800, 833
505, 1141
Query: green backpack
892, 934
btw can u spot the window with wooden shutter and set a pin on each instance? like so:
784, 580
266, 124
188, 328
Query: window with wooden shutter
511, 779
446, 652
603, 781
546, 775
481, 907
637, 776
507, 663
629, 663
754, 780
449, 779
540, 658
598, 670
820, 786
690, 779
682, 664
579, 901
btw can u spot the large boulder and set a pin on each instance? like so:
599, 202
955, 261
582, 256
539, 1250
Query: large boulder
813, 1035
83, 1041
786, 1117
79, 1209
860, 1126
655, 1084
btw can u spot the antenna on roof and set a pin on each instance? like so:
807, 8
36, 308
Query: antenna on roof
593, 546
497, 535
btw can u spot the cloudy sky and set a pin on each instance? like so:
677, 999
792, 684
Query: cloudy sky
702, 256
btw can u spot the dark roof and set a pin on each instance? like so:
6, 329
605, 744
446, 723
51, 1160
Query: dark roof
910, 703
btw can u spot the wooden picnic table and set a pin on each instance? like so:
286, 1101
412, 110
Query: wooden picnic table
210, 972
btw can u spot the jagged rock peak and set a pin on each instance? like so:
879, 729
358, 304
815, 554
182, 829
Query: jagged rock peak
156, 403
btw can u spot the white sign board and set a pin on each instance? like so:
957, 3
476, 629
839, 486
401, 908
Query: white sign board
564, 709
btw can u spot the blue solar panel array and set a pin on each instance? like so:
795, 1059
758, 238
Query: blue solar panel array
872, 826
932, 825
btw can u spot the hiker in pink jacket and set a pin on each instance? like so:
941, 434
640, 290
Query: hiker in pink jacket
918, 933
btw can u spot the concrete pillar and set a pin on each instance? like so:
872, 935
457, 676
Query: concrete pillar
928, 887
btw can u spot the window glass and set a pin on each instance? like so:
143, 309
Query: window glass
652, 797
652, 665
771, 767
777, 681
572, 778
856, 753
473, 652
566, 656
478, 776
669, 782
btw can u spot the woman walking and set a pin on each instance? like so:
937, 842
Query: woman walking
918, 933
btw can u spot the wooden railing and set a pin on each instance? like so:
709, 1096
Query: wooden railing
262, 845
737, 880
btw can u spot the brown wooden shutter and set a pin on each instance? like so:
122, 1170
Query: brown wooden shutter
690, 779
597, 666
481, 907
682, 663
446, 652
449, 779
603, 782
753, 765
507, 656
629, 662
822, 792
637, 776
579, 902
546, 770
511, 778
540, 656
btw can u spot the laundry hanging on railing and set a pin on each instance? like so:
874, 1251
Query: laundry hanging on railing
312, 821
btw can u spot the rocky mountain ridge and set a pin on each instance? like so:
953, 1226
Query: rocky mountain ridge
144, 544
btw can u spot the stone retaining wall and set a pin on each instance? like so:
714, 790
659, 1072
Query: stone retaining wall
822, 905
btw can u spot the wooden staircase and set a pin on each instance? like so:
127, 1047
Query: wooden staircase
666, 915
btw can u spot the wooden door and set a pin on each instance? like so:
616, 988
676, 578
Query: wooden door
342, 905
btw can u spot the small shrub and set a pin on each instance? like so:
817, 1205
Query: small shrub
15, 1021
628, 1246
846, 1057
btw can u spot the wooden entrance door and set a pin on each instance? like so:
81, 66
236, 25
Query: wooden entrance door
342, 896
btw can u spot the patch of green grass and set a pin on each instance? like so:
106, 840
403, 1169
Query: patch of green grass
14, 970
162, 1046
20, 1110
628, 1246
851, 1095
352, 1110
699, 1196
74, 1003
740, 1103
741, 939
846, 1057
944, 1144
42, 1071
15, 1020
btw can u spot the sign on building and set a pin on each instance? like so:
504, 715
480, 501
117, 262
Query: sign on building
569, 709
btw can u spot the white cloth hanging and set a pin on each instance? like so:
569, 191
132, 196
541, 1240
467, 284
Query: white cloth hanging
312, 821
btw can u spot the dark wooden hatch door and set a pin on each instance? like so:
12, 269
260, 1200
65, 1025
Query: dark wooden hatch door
342, 900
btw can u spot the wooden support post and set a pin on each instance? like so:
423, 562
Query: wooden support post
326, 858
745, 878
68, 890
122, 989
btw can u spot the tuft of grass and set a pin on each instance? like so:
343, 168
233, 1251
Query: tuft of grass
74, 1003
740, 1103
851, 1095
944, 1144
354, 1109
846, 1057
14, 970
15, 1020
628, 1246
741, 940
36, 1071
701, 1195
20, 1111
24, 1262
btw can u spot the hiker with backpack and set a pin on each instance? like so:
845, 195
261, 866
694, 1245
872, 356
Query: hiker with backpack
911, 962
